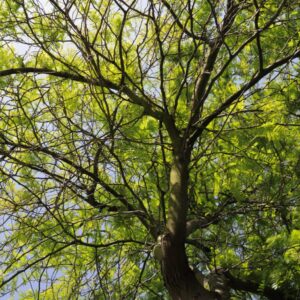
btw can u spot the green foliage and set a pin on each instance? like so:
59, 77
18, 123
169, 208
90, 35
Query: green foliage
92, 94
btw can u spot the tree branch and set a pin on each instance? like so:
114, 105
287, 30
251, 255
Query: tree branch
256, 288
201, 37
100, 81
227, 103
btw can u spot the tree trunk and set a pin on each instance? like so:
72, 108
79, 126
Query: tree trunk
179, 279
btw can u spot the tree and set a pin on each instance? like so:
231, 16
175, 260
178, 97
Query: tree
150, 148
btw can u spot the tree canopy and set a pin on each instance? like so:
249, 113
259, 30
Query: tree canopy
150, 149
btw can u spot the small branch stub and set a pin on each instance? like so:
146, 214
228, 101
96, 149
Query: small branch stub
157, 250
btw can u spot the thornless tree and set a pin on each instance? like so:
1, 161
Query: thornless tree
149, 149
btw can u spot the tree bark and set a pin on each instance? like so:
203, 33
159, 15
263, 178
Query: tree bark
178, 202
179, 279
